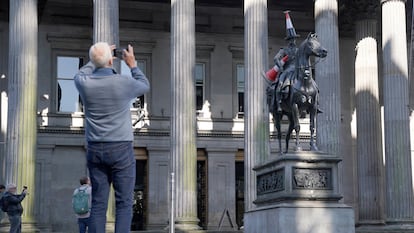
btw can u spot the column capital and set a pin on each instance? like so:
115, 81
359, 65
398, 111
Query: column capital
356, 10
362, 10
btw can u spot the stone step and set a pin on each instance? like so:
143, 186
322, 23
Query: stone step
386, 229
194, 231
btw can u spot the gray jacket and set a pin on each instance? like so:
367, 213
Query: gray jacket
107, 97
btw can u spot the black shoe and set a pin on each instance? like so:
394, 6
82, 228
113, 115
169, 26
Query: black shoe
319, 111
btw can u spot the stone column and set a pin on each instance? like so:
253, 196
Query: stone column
106, 29
3, 99
22, 95
106, 21
399, 191
328, 77
256, 121
411, 64
411, 87
369, 139
106, 24
183, 114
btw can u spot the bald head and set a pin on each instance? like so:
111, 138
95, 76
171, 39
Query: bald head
100, 55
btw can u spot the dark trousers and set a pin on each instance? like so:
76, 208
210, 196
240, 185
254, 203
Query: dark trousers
83, 224
111, 162
15, 223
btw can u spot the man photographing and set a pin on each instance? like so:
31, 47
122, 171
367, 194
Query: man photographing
14, 207
106, 96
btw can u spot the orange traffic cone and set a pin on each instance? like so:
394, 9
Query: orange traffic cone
290, 30
272, 73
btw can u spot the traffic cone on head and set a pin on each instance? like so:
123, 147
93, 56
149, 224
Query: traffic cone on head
272, 73
290, 30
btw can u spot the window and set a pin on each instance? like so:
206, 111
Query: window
68, 99
67, 96
240, 89
142, 65
200, 75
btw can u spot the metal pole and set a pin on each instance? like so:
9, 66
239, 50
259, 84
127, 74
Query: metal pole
172, 230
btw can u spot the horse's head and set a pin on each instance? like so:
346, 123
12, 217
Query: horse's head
315, 48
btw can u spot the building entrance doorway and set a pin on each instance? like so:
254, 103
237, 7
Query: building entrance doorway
202, 188
139, 209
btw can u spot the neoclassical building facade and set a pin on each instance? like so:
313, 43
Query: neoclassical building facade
205, 123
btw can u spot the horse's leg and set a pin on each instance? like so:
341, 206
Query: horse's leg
289, 131
278, 118
296, 125
312, 116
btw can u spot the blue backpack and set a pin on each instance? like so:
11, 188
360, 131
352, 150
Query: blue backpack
80, 201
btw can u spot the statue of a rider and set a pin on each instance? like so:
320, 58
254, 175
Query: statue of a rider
285, 64
285, 60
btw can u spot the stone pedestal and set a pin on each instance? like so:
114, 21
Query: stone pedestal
298, 193
301, 218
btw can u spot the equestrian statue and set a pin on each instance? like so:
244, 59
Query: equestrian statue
292, 90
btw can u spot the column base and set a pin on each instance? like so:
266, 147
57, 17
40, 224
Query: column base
110, 226
186, 227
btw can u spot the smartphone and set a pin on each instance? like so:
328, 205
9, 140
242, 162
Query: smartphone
117, 53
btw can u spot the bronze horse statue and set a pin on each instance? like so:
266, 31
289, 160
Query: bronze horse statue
301, 96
